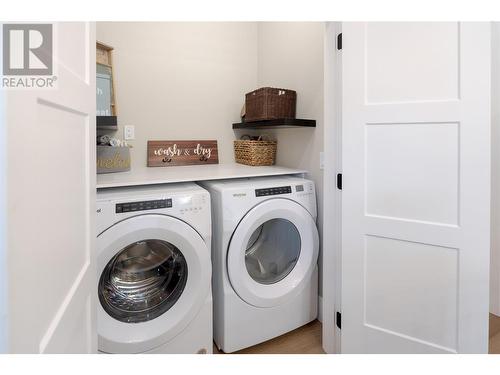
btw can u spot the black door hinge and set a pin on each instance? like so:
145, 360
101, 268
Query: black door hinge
339, 181
338, 320
339, 41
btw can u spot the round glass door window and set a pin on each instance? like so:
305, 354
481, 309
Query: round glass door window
143, 281
272, 251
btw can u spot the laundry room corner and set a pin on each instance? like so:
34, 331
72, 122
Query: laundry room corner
213, 65
290, 54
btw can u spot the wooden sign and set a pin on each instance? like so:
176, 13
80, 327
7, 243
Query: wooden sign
175, 153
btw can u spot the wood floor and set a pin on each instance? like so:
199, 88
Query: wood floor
494, 334
307, 340
304, 340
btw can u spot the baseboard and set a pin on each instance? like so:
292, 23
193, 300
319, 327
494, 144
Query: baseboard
494, 311
320, 309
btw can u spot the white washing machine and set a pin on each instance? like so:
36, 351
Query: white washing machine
154, 269
264, 258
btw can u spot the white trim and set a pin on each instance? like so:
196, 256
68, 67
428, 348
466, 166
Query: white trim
320, 309
495, 170
332, 196
3, 223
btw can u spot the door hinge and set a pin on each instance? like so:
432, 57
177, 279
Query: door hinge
338, 320
339, 181
339, 41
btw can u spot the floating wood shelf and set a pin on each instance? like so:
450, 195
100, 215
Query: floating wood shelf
276, 123
106, 122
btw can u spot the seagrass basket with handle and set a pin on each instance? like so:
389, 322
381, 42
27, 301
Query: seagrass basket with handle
255, 152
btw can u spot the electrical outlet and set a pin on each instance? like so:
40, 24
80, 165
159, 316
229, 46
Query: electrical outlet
321, 160
129, 132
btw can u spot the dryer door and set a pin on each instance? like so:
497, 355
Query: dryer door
154, 276
272, 253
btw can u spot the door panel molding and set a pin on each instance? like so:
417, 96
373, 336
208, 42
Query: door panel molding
51, 203
415, 197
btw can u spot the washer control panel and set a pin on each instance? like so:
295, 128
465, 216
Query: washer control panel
143, 205
273, 191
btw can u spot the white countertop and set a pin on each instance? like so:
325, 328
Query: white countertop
164, 175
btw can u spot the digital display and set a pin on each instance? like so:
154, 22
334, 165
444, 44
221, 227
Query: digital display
273, 191
143, 206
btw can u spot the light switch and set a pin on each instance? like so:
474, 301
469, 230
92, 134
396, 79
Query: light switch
129, 132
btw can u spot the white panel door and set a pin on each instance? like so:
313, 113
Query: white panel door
51, 198
416, 187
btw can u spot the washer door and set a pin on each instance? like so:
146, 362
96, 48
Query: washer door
154, 277
272, 253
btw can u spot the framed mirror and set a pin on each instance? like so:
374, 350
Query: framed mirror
105, 88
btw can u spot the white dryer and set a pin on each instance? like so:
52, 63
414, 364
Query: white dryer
264, 258
154, 270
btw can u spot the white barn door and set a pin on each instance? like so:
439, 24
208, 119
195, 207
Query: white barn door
416, 187
50, 143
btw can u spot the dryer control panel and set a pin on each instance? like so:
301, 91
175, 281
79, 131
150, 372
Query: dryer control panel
143, 205
273, 191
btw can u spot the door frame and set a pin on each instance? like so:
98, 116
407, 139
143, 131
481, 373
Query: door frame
3, 223
332, 211
495, 172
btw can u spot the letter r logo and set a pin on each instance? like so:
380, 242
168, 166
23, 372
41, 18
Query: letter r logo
27, 49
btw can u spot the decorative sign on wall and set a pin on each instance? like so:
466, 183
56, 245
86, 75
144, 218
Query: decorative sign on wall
175, 153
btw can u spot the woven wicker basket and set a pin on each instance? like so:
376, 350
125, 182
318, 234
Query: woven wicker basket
269, 103
255, 152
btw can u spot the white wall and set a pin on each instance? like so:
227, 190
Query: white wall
178, 81
495, 171
291, 56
